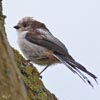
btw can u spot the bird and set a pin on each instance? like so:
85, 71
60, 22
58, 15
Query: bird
40, 46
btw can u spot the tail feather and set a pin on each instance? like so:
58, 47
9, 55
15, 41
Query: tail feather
75, 67
81, 67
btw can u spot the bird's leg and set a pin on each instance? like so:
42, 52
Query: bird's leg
44, 70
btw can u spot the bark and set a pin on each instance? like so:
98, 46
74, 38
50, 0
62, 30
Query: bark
34, 86
18, 79
11, 84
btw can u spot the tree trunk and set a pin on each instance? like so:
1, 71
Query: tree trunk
18, 79
11, 84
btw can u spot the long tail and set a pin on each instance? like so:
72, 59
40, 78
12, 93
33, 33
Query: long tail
75, 67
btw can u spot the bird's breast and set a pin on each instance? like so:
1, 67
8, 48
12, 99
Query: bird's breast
36, 53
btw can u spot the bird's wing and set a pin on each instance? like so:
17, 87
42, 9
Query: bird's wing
44, 38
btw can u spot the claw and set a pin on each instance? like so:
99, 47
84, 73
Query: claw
40, 76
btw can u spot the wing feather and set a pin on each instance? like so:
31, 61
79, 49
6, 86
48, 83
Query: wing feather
46, 39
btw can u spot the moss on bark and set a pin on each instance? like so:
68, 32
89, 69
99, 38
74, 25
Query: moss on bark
35, 88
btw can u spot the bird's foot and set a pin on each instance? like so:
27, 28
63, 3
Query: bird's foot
40, 76
29, 62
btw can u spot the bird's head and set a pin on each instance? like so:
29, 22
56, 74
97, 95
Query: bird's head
25, 24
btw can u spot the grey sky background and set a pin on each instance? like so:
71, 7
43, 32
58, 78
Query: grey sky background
77, 24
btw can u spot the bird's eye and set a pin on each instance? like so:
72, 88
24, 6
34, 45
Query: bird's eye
24, 25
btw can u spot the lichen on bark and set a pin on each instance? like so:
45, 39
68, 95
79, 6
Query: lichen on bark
35, 88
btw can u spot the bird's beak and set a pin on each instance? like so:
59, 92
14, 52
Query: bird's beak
16, 27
